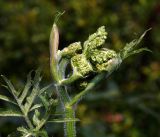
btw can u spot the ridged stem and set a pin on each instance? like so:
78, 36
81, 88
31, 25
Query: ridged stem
69, 127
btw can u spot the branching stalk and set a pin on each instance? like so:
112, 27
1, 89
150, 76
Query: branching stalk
90, 86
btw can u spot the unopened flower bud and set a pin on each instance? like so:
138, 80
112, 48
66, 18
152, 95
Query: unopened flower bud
96, 40
71, 50
105, 60
81, 65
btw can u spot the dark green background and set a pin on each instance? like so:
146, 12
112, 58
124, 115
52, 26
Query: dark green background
128, 103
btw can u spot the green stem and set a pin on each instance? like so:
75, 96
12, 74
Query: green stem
28, 122
62, 67
90, 86
63, 95
69, 127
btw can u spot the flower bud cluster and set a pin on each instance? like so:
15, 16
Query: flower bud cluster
93, 57
71, 50
100, 59
81, 65
96, 40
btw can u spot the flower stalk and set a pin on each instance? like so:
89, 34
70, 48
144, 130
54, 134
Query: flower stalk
85, 60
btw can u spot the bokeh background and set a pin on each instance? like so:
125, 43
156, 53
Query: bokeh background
128, 103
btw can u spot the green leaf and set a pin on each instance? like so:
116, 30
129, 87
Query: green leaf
138, 51
141, 50
36, 106
26, 88
44, 101
131, 47
22, 129
8, 113
10, 86
25, 132
63, 120
44, 89
2, 97
36, 120
30, 99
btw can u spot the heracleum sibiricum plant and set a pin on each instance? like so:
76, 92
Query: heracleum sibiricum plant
90, 58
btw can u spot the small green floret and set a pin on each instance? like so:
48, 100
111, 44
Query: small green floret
71, 50
101, 56
96, 40
81, 65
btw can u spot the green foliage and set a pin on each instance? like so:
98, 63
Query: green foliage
71, 50
30, 101
25, 28
93, 59
130, 48
26, 100
10, 112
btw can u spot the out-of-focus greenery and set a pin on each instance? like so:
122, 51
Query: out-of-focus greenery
128, 103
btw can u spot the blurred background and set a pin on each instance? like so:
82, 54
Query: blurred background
128, 103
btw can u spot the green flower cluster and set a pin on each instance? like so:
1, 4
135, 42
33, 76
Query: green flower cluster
71, 50
91, 57
81, 65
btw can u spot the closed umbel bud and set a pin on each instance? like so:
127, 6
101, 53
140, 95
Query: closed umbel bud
104, 60
71, 50
81, 65
95, 41
93, 59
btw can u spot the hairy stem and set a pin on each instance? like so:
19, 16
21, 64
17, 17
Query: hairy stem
69, 127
